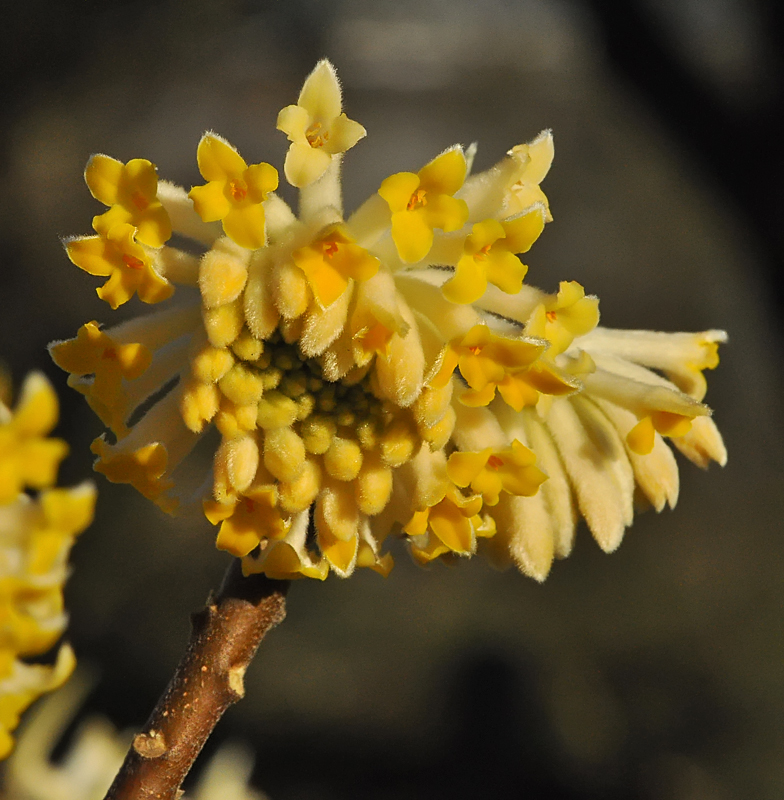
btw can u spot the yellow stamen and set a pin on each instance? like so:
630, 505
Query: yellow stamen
132, 263
417, 200
238, 189
482, 254
316, 136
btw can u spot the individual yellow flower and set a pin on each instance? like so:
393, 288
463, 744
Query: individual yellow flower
330, 261
454, 520
126, 263
421, 202
488, 362
489, 256
27, 457
512, 186
562, 317
247, 521
95, 353
489, 471
534, 160
234, 193
360, 377
144, 469
132, 192
36, 535
316, 128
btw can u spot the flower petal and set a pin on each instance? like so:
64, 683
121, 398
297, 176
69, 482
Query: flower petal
294, 121
412, 235
245, 226
103, 175
217, 159
397, 190
210, 201
320, 93
344, 133
446, 173
305, 164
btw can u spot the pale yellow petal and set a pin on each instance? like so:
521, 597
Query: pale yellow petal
294, 121
305, 164
344, 133
320, 94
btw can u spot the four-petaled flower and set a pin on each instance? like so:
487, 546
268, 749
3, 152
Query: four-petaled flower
118, 256
235, 191
491, 471
95, 353
132, 192
563, 317
316, 128
330, 261
489, 256
421, 202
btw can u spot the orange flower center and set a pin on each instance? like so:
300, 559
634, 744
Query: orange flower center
315, 136
249, 505
238, 189
475, 349
482, 254
139, 200
417, 200
132, 262
552, 316
330, 249
110, 354
495, 462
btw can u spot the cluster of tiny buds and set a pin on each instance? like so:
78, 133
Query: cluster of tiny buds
299, 412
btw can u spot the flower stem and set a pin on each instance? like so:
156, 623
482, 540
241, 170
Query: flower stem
209, 678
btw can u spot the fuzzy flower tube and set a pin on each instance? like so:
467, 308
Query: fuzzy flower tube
374, 375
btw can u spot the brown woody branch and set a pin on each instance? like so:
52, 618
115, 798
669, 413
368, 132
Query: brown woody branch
209, 678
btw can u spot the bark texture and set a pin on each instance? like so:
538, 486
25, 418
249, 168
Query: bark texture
209, 678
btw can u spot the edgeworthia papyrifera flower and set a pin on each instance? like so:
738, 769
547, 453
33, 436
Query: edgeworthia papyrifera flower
36, 535
386, 372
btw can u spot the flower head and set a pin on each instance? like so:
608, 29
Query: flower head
36, 535
388, 374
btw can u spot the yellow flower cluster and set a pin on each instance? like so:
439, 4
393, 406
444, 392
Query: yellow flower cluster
382, 373
36, 535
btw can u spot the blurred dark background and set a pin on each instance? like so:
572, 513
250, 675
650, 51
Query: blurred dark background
656, 673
